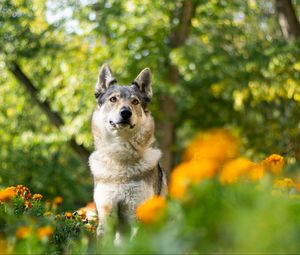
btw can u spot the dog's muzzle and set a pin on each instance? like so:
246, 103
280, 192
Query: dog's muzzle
125, 115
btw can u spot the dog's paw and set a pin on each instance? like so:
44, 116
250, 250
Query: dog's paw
100, 231
118, 239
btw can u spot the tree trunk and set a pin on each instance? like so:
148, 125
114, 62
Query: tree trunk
287, 19
168, 107
53, 117
290, 28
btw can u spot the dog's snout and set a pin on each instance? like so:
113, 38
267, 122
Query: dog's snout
125, 113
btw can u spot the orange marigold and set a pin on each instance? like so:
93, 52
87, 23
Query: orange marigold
37, 197
285, 183
44, 232
58, 200
190, 172
217, 145
200, 170
28, 204
179, 181
7, 194
82, 214
151, 210
90, 227
68, 215
23, 191
23, 232
274, 163
240, 167
90, 211
256, 172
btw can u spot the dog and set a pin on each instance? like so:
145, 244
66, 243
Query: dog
125, 165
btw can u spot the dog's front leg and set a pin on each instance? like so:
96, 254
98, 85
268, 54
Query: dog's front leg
103, 210
104, 197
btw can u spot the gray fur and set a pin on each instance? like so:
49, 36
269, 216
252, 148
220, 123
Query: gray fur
124, 164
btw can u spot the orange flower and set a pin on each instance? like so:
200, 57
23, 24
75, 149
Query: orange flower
90, 210
68, 215
37, 197
28, 204
58, 200
7, 194
285, 183
23, 232
44, 232
240, 167
23, 191
82, 214
190, 172
217, 145
179, 181
151, 210
256, 172
90, 227
199, 170
274, 163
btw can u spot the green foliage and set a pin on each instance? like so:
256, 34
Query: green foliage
214, 218
28, 226
235, 70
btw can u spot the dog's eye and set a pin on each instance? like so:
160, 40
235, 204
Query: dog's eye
135, 101
113, 99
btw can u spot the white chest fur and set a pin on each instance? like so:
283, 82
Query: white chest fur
108, 167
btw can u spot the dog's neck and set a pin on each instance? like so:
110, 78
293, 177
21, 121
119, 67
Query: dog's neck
121, 149
124, 146
112, 170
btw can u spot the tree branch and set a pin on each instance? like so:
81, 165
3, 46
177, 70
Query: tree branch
53, 117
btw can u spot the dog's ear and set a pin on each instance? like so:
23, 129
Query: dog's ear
105, 79
144, 83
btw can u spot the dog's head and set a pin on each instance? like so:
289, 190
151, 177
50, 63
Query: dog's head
122, 109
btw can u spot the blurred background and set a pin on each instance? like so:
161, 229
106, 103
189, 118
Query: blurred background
217, 63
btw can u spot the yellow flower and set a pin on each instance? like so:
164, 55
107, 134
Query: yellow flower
68, 215
274, 163
23, 191
151, 210
7, 194
44, 232
217, 145
23, 232
240, 167
58, 200
37, 197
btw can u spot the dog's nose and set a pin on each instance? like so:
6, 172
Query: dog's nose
125, 113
